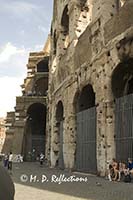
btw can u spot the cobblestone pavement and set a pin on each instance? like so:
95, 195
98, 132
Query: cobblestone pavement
33, 182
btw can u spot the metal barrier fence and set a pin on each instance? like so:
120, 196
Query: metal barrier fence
86, 141
124, 127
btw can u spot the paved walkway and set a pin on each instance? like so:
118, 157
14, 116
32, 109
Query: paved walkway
33, 182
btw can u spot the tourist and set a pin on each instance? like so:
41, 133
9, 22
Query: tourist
130, 165
6, 160
10, 161
113, 174
41, 159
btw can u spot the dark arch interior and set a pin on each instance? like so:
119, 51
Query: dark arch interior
42, 66
35, 131
65, 21
86, 99
54, 42
122, 79
37, 117
41, 86
59, 112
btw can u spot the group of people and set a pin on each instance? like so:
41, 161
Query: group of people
8, 159
120, 171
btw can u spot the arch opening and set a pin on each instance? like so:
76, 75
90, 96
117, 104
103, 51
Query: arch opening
85, 157
35, 131
86, 99
122, 76
122, 89
42, 66
65, 21
65, 28
54, 43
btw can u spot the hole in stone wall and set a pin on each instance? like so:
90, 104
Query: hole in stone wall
59, 112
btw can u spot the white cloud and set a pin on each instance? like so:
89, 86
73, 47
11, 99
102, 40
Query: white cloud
8, 51
9, 89
12, 72
13, 62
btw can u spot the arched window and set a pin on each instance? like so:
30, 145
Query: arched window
54, 42
42, 66
65, 21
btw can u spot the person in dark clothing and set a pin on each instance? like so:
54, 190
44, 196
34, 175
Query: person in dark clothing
130, 164
7, 190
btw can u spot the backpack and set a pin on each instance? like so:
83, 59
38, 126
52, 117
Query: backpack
127, 178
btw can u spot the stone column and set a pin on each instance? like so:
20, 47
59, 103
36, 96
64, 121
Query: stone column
110, 132
69, 139
18, 137
101, 142
54, 139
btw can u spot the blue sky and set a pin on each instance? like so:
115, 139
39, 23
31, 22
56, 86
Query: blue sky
24, 28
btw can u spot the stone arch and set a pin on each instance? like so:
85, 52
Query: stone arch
85, 98
42, 66
54, 42
122, 89
65, 21
85, 120
65, 28
34, 131
122, 79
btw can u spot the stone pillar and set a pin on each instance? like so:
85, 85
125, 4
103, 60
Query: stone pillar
69, 140
105, 123
110, 132
101, 141
54, 139
18, 138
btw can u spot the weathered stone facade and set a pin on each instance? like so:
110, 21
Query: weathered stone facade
89, 40
89, 69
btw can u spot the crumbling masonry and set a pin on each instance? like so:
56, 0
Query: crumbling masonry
89, 98
90, 69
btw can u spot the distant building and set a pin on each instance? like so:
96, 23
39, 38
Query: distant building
29, 127
2, 133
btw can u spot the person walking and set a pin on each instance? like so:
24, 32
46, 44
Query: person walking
41, 159
6, 161
10, 161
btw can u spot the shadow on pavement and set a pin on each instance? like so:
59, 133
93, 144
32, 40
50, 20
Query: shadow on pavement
44, 178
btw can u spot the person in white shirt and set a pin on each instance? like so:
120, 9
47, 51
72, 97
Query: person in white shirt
10, 161
41, 159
